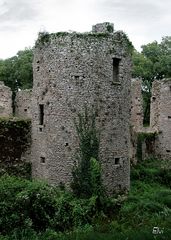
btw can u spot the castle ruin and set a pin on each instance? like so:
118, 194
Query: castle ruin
74, 70
71, 71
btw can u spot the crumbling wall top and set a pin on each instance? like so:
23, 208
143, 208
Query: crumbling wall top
100, 33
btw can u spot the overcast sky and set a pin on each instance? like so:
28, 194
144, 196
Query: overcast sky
20, 20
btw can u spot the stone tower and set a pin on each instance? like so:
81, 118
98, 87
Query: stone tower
72, 70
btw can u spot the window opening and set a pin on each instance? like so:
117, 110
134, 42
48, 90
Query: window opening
116, 62
41, 114
42, 159
117, 161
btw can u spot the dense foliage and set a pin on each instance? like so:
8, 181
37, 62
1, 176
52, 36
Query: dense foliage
15, 139
16, 72
154, 61
36, 211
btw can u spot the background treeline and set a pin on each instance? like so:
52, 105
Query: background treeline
153, 62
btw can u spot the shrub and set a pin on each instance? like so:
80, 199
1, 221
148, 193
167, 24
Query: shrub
25, 204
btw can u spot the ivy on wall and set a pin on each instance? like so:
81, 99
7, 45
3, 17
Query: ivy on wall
15, 138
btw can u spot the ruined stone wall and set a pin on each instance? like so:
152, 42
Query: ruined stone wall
136, 104
71, 71
163, 122
5, 101
160, 123
136, 116
155, 105
23, 104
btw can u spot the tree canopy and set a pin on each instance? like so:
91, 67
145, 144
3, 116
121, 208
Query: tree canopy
154, 62
16, 72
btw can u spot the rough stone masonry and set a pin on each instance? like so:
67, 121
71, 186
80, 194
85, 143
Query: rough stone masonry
23, 104
71, 71
5, 101
160, 120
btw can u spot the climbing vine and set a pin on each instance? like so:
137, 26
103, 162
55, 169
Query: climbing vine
87, 171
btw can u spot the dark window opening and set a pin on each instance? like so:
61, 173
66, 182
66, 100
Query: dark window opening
116, 62
169, 117
66, 144
146, 108
42, 159
77, 78
168, 151
41, 114
40, 129
170, 88
117, 161
25, 110
154, 98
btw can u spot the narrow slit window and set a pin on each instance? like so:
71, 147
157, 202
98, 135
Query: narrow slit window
116, 62
41, 114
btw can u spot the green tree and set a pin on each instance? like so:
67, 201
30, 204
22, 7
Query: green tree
16, 72
154, 62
